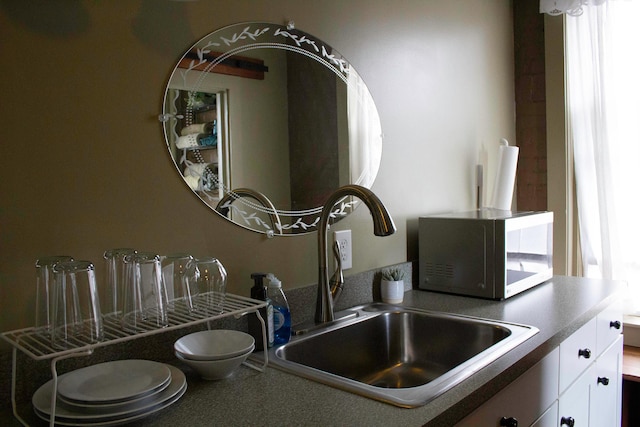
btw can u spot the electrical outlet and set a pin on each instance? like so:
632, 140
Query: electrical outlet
343, 237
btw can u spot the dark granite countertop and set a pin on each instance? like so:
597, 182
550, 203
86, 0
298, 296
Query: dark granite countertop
275, 398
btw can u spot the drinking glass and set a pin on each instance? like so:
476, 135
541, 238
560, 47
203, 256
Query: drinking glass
77, 319
112, 296
212, 285
179, 275
44, 290
145, 295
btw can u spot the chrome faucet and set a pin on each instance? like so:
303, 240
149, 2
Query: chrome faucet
382, 226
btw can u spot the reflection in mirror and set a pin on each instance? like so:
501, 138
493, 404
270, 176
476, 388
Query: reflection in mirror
225, 206
277, 115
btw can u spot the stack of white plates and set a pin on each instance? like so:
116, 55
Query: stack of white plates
111, 393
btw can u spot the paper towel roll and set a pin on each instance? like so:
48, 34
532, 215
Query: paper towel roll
505, 177
205, 128
189, 141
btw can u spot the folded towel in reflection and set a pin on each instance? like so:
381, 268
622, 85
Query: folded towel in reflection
200, 176
206, 128
196, 169
191, 140
192, 181
209, 141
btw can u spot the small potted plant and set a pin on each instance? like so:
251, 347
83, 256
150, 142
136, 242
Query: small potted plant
392, 286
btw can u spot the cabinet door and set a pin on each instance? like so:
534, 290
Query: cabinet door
576, 353
606, 388
524, 400
549, 418
573, 408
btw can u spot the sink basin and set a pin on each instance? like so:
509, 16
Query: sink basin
398, 355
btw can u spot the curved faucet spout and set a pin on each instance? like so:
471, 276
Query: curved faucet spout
224, 206
382, 226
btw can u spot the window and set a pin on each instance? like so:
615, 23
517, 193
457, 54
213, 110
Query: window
603, 65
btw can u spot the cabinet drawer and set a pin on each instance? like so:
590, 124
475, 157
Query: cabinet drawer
609, 326
524, 399
576, 354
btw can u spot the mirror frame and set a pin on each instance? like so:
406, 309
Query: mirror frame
251, 209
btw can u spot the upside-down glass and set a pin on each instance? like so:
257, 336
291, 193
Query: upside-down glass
112, 296
145, 295
77, 319
212, 285
179, 275
44, 290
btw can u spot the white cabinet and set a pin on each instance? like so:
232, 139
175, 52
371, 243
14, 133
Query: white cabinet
549, 418
609, 324
595, 398
524, 399
576, 353
573, 404
606, 387
579, 383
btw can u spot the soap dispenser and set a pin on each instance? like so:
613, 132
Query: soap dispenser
259, 292
281, 312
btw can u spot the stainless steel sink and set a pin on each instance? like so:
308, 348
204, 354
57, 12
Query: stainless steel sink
398, 355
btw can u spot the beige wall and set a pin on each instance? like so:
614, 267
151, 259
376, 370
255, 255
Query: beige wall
84, 167
265, 144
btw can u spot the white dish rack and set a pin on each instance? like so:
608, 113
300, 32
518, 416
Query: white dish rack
35, 344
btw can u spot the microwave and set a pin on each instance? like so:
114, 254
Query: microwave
485, 253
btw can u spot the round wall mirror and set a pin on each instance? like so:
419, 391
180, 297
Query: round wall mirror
264, 122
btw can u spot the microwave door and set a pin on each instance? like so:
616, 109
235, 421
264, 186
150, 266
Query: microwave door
457, 257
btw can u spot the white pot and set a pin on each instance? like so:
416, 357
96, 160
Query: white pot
392, 291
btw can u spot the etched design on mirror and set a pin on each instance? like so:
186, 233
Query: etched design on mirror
225, 206
285, 116
252, 220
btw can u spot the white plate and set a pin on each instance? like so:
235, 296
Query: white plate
64, 422
77, 417
104, 407
113, 382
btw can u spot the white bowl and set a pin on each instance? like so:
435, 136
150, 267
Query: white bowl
215, 369
214, 345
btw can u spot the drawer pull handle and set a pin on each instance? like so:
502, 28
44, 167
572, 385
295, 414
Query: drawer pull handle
603, 380
615, 324
568, 421
508, 422
586, 353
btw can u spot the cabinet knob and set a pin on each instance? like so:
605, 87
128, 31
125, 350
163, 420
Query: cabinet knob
508, 422
615, 324
585, 352
603, 380
567, 421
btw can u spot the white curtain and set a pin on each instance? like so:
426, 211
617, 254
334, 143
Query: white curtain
568, 7
365, 132
603, 103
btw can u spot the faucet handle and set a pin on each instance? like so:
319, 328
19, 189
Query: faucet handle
337, 280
